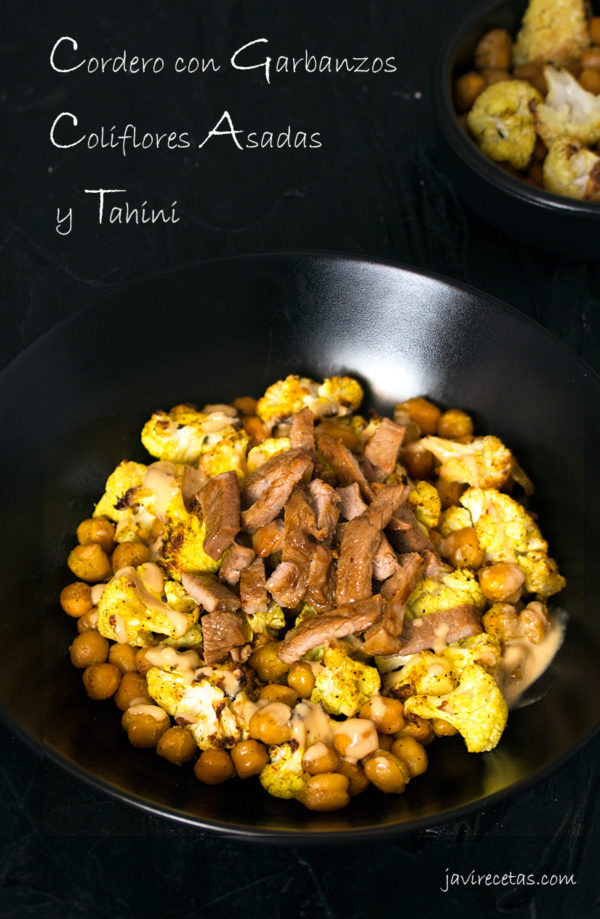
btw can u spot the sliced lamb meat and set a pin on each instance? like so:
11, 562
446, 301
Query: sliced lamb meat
406, 533
320, 590
222, 631
326, 503
253, 590
386, 504
351, 503
433, 564
238, 558
241, 654
384, 636
385, 563
210, 593
287, 584
355, 565
404, 581
383, 447
302, 431
344, 464
271, 472
268, 538
439, 629
292, 467
220, 501
327, 627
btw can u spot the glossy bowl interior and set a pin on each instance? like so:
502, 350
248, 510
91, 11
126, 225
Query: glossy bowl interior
563, 225
72, 407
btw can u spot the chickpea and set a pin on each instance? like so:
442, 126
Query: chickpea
131, 553
331, 427
249, 758
534, 74
385, 713
213, 767
97, 529
76, 599
101, 681
535, 174
591, 58
462, 548
455, 423
501, 620
255, 429
501, 582
589, 78
533, 622
145, 728
89, 563
88, 622
495, 75
176, 745
355, 737
595, 29
417, 727
266, 663
385, 741
327, 791
271, 724
275, 692
142, 664
132, 689
357, 780
320, 757
540, 151
411, 752
88, 648
421, 410
417, 460
386, 772
449, 492
443, 728
302, 679
246, 405
494, 50
123, 656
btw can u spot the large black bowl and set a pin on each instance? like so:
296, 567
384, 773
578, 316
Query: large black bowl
73, 404
563, 225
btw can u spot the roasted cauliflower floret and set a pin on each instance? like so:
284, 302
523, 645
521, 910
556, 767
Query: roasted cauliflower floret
476, 708
184, 433
568, 110
126, 476
572, 170
454, 518
268, 622
227, 455
284, 776
501, 121
265, 450
182, 544
426, 673
452, 589
342, 684
425, 501
335, 396
484, 463
553, 31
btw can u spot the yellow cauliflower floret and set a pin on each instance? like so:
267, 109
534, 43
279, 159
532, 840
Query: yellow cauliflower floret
427, 673
227, 455
572, 170
182, 545
476, 708
190, 639
542, 576
482, 649
335, 396
284, 776
501, 121
265, 450
568, 110
126, 476
184, 433
452, 589
268, 622
552, 30
454, 518
425, 501
484, 463
343, 685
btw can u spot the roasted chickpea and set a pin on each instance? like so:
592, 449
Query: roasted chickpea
302, 679
589, 78
337, 430
249, 758
357, 780
76, 599
417, 460
533, 622
411, 752
89, 563
271, 724
449, 492
88, 648
213, 767
97, 529
133, 689
320, 757
421, 410
595, 29
145, 725
385, 713
502, 621
494, 50
535, 175
176, 745
88, 621
462, 548
540, 151
246, 405
142, 664
123, 656
385, 741
275, 692
386, 772
101, 681
327, 791
501, 582
443, 728
255, 429
131, 553
454, 424
492, 76
591, 58
417, 727
355, 738
534, 74
267, 665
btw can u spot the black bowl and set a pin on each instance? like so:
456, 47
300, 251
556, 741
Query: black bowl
73, 404
562, 225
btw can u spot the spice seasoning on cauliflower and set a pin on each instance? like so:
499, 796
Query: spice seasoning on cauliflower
572, 170
502, 121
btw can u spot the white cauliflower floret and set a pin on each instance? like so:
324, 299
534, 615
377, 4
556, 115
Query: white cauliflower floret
572, 170
552, 31
335, 396
452, 589
501, 121
484, 463
284, 775
343, 685
184, 433
568, 109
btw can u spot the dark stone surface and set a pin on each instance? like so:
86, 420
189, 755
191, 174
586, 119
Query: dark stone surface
375, 187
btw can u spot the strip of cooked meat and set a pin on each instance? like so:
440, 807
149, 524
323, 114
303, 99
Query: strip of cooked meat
268, 538
439, 629
211, 594
220, 501
344, 464
326, 627
351, 503
385, 563
302, 431
270, 472
253, 590
327, 509
382, 448
222, 631
355, 564
287, 584
406, 534
386, 504
238, 558
320, 590
384, 637
292, 467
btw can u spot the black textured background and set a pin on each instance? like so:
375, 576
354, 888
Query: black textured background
375, 187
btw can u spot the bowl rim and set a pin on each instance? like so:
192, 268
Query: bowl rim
278, 836
468, 151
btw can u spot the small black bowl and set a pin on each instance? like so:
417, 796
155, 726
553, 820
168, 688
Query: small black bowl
562, 225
